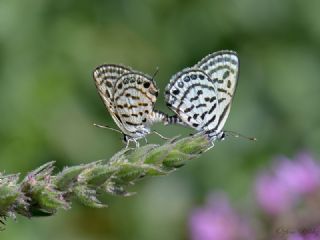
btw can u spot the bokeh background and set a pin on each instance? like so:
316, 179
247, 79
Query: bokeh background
48, 100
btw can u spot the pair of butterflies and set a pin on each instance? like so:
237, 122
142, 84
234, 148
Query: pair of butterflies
200, 96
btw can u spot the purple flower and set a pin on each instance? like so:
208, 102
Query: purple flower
303, 237
312, 234
302, 175
218, 221
272, 195
287, 183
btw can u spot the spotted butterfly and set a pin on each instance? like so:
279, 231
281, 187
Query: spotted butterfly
201, 95
129, 97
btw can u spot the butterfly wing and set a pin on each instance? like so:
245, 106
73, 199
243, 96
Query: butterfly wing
105, 77
223, 68
192, 96
134, 98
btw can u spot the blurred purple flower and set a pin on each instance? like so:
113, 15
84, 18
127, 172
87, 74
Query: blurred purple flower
218, 221
277, 192
308, 236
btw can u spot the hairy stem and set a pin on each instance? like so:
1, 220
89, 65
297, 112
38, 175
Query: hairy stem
42, 193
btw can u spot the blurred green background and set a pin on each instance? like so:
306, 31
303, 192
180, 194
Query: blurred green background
48, 100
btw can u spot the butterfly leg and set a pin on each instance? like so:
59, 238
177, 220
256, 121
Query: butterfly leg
127, 145
212, 145
165, 138
126, 140
137, 142
106, 127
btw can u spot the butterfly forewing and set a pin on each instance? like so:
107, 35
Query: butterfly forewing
223, 68
134, 98
192, 95
105, 77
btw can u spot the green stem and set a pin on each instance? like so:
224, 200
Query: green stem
41, 193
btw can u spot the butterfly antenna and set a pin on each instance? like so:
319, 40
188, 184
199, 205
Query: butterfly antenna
155, 73
165, 138
107, 127
237, 135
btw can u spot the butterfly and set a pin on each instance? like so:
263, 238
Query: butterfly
201, 95
129, 97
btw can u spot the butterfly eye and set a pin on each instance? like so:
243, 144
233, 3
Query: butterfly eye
223, 135
146, 85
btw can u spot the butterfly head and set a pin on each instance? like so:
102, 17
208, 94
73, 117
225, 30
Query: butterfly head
214, 136
221, 136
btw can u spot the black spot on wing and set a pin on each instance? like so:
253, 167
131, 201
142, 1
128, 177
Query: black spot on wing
109, 84
217, 80
186, 79
193, 76
210, 99
117, 116
189, 109
226, 74
223, 115
213, 108
132, 124
107, 93
203, 115
176, 91
229, 84
221, 100
201, 105
224, 91
143, 104
210, 121
194, 98
180, 84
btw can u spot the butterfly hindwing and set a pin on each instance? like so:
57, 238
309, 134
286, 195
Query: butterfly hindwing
201, 96
105, 77
223, 68
134, 97
192, 96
